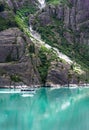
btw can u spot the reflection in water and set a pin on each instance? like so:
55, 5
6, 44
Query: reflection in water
48, 109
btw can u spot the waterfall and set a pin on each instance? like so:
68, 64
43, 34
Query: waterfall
34, 34
36, 37
42, 4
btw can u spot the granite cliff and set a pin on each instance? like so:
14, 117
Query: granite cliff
26, 60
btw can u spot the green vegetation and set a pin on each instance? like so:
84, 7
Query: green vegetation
56, 2
46, 57
53, 1
7, 18
9, 58
15, 78
4, 6
3, 24
22, 18
25, 11
31, 48
53, 34
43, 68
22, 25
7, 23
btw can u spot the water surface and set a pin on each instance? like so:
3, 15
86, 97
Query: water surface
45, 109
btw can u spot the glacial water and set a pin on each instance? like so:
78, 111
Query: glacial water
45, 109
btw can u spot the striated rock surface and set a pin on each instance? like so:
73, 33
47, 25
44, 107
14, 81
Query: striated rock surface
12, 45
61, 74
75, 16
17, 4
15, 66
22, 62
68, 24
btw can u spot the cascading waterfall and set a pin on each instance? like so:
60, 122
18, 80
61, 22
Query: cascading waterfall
36, 37
42, 4
34, 34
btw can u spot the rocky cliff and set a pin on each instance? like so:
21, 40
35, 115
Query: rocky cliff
69, 23
16, 66
25, 60
74, 17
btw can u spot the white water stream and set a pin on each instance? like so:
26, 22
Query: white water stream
42, 4
36, 37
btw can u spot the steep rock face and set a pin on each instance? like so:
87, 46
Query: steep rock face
77, 14
67, 24
16, 65
61, 74
17, 4
75, 17
12, 45
19, 59
19, 63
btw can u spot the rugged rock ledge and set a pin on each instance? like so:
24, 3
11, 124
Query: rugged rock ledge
15, 66
23, 62
74, 17
18, 66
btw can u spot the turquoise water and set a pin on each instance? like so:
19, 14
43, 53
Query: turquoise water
45, 109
